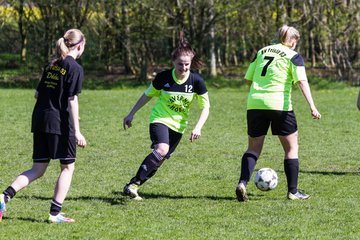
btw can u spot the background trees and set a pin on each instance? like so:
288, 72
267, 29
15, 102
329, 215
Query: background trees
134, 36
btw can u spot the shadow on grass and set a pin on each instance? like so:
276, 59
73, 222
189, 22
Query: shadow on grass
168, 196
110, 200
336, 173
332, 172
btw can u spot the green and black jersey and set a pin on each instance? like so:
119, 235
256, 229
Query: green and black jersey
175, 97
272, 72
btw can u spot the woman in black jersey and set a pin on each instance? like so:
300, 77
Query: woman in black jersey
55, 123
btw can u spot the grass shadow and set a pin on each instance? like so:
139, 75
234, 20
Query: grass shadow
332, 172
110, 200
168, 196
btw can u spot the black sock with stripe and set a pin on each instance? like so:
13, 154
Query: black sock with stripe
148, 168
9, 193
55, 207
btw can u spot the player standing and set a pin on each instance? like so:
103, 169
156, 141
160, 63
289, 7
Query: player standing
176, 89
272, 74
55, 123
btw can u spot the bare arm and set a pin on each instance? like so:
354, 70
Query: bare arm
305, 89
74, 117
139, 104
196, 132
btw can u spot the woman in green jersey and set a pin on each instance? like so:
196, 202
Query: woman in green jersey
272, 73
175, 89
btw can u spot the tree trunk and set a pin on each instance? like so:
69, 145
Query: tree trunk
213, 72
126, 39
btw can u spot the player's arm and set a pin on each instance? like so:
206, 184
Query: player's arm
205, 104
139, 104
305, 89
74, 117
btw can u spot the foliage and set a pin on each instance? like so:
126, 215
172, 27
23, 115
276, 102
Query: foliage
193, 194
139, 34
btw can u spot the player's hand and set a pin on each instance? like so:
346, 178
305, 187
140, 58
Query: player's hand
127, 121
315, 114
195, 134
80, 140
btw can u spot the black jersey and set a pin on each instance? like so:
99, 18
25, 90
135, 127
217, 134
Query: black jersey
59, 81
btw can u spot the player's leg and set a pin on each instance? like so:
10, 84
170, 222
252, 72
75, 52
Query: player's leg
159, 135
61, 189
40, 164
164, 149
258, 124
65, 151
23, 180
291, 165
286, 128
248, 162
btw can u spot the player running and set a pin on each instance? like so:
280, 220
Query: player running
176, 89
55, 123
272, 73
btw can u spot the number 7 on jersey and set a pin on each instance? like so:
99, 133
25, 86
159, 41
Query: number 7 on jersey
270, 59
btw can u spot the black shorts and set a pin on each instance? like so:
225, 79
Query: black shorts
160, 133
282, 123
53, 146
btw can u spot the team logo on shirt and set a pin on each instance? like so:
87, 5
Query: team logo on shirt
178, 103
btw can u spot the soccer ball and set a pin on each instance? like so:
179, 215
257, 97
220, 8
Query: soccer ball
266, 179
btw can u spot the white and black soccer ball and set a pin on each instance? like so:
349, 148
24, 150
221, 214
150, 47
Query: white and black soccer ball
266, 179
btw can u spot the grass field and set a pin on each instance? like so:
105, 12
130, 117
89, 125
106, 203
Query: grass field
192, 195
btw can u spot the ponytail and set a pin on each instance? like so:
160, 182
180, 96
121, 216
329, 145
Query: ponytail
184, 48
68, 42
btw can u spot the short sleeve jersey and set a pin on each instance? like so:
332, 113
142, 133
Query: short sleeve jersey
174, 98
59, 81
272, 72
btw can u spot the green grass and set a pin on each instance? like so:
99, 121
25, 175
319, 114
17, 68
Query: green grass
192, 195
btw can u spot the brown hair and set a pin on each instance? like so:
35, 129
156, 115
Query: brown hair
184, 48
286, 33
65, 44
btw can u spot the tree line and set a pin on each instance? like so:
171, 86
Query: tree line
137, 34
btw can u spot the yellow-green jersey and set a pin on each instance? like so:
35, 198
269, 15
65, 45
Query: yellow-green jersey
175, 97
273, 72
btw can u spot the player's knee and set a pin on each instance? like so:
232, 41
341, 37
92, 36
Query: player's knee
162, 149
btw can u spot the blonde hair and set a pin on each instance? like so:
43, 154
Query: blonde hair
286, 33
68, 42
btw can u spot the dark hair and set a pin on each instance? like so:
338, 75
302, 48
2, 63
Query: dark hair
184, 48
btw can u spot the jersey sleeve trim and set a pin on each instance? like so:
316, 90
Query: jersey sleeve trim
297, 60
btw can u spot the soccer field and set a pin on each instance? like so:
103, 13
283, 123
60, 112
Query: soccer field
192, 196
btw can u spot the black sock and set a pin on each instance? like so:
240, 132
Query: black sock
9, 193
291, 167
148, 168
55, 207
248, 163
